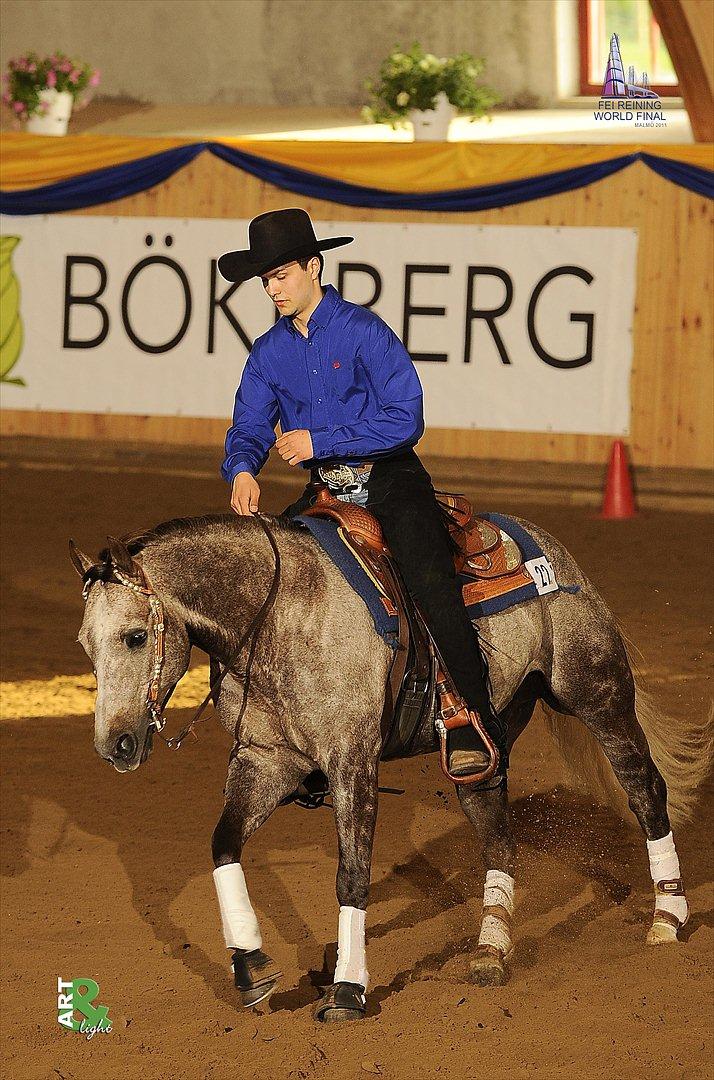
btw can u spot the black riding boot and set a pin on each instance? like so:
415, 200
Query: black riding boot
402, 498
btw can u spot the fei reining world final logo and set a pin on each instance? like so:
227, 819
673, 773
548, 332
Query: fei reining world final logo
627, 99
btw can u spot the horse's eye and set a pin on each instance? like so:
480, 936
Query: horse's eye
134, 639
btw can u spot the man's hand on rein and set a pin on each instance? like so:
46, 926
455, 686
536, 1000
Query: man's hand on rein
295, 446
245, 493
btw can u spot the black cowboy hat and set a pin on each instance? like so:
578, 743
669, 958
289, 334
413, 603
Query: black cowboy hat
278, 237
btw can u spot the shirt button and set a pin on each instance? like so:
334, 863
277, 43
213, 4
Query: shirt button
319, 399
314, 371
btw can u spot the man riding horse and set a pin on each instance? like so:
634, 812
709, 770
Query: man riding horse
350, 406
349, 402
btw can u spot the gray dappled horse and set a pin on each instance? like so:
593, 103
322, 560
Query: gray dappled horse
317, 688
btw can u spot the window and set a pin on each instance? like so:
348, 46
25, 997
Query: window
645, 59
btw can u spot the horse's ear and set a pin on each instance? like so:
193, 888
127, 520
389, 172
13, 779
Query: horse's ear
80, 561
121, 558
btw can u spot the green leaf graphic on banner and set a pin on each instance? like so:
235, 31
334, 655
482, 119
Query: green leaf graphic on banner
10, 321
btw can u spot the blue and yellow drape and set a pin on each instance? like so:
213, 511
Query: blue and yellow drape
41, 175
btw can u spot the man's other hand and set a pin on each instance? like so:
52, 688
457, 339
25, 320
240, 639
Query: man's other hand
245, 493
295, 446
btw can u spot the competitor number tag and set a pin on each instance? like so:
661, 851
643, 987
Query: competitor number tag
543, 575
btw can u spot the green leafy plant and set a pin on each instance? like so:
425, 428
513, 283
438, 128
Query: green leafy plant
411, 79
27, 75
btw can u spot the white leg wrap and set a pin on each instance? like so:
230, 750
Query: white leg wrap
351, 954
499, 889
664, 868
498, 892
240, 926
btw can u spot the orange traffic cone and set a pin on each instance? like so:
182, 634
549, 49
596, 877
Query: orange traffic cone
619, 499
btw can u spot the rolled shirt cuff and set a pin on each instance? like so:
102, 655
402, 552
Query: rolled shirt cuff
321, 442
240, 466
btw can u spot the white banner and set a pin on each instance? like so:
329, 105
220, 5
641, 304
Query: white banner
512, 328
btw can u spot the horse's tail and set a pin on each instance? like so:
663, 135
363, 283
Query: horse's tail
683, 751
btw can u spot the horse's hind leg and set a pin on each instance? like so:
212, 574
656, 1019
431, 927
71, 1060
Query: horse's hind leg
487, 810
592, 680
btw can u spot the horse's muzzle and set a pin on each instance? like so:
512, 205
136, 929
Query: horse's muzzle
127, 753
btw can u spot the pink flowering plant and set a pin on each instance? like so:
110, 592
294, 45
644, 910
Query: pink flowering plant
28, 75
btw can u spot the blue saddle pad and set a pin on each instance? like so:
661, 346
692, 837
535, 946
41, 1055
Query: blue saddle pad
543, 576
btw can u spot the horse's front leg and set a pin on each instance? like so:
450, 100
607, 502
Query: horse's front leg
353, 784
258, 778
487, 810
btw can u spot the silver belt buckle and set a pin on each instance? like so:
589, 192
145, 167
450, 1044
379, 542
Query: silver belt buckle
347, 482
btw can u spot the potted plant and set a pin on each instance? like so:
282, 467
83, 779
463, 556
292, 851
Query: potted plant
41, 91
426, 90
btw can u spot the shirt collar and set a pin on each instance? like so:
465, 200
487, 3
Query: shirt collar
324, 310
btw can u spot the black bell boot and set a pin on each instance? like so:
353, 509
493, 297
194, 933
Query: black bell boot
256, 975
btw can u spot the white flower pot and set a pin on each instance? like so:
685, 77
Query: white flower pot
433, 124
55, 119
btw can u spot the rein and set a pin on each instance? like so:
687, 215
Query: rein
254, 628
156, 710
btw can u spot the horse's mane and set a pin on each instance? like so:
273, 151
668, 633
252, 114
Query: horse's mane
180, 526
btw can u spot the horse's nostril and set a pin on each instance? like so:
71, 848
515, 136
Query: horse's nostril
126, 746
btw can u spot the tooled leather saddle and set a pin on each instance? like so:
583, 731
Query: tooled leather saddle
419, 684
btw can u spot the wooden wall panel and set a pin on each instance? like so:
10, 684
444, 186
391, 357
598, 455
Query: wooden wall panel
672, 385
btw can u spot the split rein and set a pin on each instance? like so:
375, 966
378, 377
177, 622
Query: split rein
156, 609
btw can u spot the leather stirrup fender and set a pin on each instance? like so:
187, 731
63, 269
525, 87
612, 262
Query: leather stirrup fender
363, 534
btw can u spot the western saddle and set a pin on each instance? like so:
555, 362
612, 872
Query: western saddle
419, 682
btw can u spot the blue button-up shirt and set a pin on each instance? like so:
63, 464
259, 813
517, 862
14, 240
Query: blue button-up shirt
350, 382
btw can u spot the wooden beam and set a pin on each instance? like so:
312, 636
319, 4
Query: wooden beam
688, 30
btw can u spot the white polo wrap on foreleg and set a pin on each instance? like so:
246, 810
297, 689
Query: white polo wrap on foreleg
498, 906
351, 953
240, 926
664, 868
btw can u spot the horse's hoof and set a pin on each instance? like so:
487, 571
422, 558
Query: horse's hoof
248, 998
256, 976
343, 1001
661, 934
664, 929
340, 1016
488, 967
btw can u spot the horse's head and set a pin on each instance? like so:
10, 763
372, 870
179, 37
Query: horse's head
118, 633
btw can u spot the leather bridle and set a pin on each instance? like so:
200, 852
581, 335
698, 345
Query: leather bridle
156, 610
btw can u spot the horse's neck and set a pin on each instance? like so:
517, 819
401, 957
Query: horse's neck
215, 580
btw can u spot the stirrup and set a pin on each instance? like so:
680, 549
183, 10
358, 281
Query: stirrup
474, 778
481, 760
